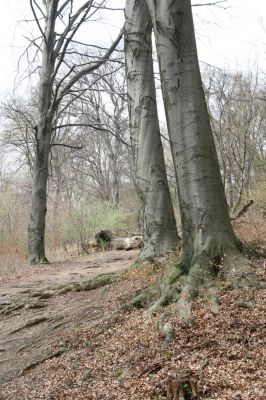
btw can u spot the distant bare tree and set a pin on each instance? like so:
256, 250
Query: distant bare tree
106, 147
17, 133
238, 121
58, 22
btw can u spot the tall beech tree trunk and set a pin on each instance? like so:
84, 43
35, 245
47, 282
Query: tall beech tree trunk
159, 227
208, 237
36, 229
201, 194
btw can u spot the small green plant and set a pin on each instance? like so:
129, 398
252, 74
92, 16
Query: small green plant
102, 244
87, 343
81, 223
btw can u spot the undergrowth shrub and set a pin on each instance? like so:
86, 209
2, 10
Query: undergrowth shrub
79, 224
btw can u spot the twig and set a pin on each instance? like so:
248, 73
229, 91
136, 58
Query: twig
67, 145
242, 211
151, 369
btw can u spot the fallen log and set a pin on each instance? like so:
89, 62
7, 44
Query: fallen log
120, 243
127, 243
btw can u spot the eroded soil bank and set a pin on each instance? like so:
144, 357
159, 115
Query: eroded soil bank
33, 313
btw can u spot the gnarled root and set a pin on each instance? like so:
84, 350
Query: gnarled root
199, 281
184, 283
142, 300
202, 279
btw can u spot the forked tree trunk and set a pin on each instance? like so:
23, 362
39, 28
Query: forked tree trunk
159, 227
36, 229
206, 227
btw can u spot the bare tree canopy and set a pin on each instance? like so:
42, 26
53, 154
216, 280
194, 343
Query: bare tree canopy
62, 67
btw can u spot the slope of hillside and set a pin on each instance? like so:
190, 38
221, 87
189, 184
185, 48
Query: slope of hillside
125, 356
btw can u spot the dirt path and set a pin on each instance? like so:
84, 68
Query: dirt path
33, 315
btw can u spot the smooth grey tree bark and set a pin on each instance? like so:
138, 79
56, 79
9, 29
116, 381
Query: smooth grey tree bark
201, 193
36, 228
54, 86
159, 225
208, 240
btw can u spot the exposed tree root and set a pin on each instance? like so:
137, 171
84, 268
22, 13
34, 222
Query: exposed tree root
57, 353
143, 299
199, 281
90, 284
29, 324
205, 277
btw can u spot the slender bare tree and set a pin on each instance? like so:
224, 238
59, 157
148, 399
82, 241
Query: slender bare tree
58, 22
18, 119
103, 112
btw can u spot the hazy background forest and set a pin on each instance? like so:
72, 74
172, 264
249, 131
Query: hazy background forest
91, 177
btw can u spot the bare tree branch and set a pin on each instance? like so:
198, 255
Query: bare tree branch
37, 20
96, 127
62, 7
69, 27
92, 68
67, 145
214, 3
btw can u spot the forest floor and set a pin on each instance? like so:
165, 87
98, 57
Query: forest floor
84, 345
40, 303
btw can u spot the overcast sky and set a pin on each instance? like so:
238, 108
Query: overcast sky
233, 38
